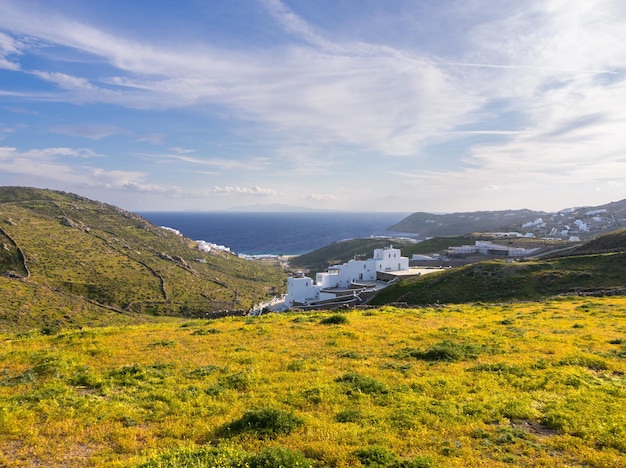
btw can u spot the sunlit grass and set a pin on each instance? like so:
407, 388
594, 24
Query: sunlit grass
530, 384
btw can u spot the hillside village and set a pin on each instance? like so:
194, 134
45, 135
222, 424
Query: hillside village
575, 224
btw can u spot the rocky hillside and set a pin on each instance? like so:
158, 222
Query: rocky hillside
65, 259
582, 222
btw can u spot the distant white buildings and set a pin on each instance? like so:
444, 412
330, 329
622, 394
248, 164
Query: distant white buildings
341, 279
537, 223
203, 246
489, 248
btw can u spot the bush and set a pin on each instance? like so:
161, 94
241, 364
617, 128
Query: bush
380, 457
264, 423
336, 319
363, 383
228, 457
444, 351
376, 456
349, 415
590, 362
279, 457
203, 457
240, 381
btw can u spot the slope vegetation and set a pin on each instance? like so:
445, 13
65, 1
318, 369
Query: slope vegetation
60, 250
612, 242
585, 273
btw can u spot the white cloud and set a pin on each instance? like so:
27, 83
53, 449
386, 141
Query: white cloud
533, 96
320, 197
253, 191
156, 139
380, 99
58, 165
8, 46
220, 164
182, 150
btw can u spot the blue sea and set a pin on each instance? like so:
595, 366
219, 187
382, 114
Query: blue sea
276, 233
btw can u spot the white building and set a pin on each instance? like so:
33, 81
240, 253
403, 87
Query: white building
339, 279
489, 248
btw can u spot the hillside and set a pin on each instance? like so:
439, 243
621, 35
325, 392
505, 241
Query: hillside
582, 222
527, 384
497, 280
69, 260
459, 224
612, 242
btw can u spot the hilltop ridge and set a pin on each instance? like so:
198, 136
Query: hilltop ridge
581, 222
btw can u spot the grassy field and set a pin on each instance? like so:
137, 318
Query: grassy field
527, 384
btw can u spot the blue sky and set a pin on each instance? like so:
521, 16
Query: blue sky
355, 105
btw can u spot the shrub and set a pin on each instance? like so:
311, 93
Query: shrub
349, 415
590, 362
49, 366
208, 331
264, 423
444, 351
351, 355
313, 395
296, 365
421, 461
203, 457
50, 330
203, 371
162, 344
240, 381
380, 457
362, 383
86, 377
499, 368
228, 457
376, 456
279, 457
336, 319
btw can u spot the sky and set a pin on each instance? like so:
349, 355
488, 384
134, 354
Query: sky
349, 105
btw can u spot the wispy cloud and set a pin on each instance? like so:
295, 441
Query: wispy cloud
221, 164
8, 46
56, 164
92, 132
530, 95
152, 138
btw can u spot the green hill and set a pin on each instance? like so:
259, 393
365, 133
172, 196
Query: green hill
498, 280
69, 260
612, 242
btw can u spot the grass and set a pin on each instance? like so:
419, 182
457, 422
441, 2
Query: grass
461, 385
496, 280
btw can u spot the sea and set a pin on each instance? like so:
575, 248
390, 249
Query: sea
273, 233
